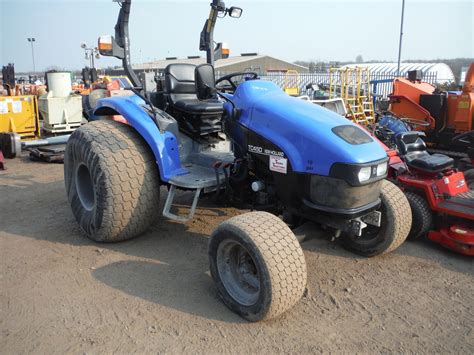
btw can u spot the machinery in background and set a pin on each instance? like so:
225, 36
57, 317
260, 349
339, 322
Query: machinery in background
111, 86
441, 203
466, 165
60, 110
8, 78
49, 149
441, 115
353, 86
318, 97
89, 77
19, 114
20, 127
292, 83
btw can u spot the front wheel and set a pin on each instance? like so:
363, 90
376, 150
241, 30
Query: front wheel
258, 265
394, 228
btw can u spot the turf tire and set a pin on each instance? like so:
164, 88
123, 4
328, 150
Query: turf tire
421, 215
112, 181
277, 258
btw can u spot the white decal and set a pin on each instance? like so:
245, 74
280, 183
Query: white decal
278, 164
272, 152
3, 107
260, 150
255, 149
16, 107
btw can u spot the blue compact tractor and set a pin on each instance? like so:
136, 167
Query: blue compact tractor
252, 146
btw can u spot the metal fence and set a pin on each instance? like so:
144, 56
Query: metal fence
381, 82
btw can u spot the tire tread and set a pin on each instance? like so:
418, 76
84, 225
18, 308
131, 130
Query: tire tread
421, 214
281, 253
128, 175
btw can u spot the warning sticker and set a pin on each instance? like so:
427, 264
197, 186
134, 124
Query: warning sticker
16, 107
278, 164
3, 107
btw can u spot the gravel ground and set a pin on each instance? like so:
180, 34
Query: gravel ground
60, 292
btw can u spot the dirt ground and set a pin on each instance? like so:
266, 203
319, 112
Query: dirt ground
60, 292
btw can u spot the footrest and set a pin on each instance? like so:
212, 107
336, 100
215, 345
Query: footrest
169, 203
199, 177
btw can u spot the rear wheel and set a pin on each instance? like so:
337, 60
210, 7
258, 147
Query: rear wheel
421, 215
112, 181
258, 265
394, 228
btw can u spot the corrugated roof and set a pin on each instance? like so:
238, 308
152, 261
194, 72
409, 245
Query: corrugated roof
219, 64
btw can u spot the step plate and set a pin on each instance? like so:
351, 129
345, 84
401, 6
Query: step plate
199, 177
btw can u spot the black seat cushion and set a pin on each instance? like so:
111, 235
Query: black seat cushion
432, 163
179, 79
195, 118
180, 85
410, 142
197, 107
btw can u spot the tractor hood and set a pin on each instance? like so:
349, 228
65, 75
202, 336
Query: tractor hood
311, 137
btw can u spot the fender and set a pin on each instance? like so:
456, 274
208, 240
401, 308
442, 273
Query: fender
164, 145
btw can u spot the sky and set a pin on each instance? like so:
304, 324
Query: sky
336, 30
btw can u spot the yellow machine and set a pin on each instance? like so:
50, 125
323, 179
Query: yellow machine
19, 114
353, 86
292, 83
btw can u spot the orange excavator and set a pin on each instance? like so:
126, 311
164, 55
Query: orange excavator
441, 115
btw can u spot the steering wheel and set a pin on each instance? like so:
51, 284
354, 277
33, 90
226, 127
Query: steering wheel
415, 122
250, 74
466, 138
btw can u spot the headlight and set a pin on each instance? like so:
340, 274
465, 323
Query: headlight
382, 169
360, 174
364, 174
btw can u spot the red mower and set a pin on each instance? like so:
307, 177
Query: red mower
442, 204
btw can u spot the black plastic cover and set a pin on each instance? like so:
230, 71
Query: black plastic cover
338, 194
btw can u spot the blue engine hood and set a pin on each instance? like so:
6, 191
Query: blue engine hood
301, 129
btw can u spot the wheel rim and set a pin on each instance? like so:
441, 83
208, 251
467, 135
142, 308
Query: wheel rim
238, 273
85, 187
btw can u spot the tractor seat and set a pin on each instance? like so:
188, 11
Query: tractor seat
413, 150
196, 117
197, 107
432, 163
180, 85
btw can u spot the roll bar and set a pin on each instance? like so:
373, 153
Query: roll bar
207, 34
122, 39
119, 46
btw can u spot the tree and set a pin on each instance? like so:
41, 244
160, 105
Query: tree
359, 59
